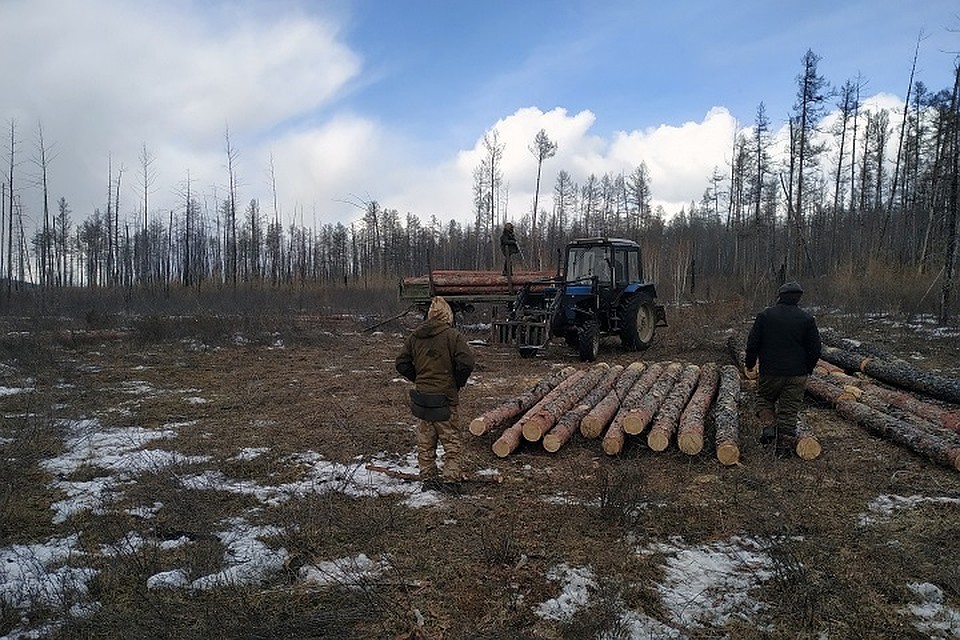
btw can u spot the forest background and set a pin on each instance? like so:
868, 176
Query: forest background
859, 202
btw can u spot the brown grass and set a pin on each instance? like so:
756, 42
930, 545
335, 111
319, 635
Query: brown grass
476, 566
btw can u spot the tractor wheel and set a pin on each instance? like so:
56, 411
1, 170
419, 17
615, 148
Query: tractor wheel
638, 323
588, 344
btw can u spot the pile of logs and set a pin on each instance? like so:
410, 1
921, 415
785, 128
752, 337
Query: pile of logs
929, 429
667, 401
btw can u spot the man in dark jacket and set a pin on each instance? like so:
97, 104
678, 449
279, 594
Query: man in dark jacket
437, 358
508, 247
786, 341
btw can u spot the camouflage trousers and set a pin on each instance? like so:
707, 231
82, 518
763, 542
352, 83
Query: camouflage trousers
783, 395
446, 433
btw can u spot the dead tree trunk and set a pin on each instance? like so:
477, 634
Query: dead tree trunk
936, 448
498, 417
539, 420
637, 416
726, 416
690, 431
570, 421
667, 420
597, 419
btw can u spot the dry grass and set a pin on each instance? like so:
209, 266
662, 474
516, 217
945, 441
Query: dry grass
473, 567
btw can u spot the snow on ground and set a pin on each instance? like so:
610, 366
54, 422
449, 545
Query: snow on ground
884, 506
932, 616
709, 585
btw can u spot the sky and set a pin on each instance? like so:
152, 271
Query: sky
344, 102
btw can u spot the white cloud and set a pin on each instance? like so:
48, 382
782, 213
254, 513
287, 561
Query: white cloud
107, 77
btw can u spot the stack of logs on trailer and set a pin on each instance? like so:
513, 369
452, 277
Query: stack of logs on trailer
668, 401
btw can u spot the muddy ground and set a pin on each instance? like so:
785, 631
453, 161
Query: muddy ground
833, 563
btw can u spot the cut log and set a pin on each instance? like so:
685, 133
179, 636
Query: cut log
613, 439
542, 417
509, 440
896, 372
637, 414
690, 430
597, 419
726, 416
499, 416
615, 436
922, 442
570, 421
803, 441
667, 420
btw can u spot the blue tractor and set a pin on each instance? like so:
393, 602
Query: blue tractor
599, 292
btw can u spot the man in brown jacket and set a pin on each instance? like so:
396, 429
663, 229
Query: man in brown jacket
437, 358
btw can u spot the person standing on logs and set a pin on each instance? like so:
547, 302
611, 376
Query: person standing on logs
785, 340
509, 247
438, 360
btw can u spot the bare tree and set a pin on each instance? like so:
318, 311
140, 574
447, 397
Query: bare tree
542, 149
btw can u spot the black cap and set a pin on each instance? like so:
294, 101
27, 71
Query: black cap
790, 287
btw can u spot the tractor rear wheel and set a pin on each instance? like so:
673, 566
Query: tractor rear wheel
638, 323
588, 345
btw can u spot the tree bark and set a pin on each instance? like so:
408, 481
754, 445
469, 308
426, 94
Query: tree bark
640, 408
726, 416
922, 442
690, 430
570, 421
597, 419
499, 416
539, 420
667, 420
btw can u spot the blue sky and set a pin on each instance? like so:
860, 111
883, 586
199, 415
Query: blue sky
388, 100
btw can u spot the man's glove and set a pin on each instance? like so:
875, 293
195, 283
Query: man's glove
752, 373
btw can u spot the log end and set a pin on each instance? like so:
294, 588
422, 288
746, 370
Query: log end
502, 448
551, 443
808, 448
590, 427
728, 453
634, 423
690, 443
658, 440
533, 429
612, 446
478, 426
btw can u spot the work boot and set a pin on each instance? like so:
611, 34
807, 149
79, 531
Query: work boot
432, 484
783, 450
452, 488
768, 434
768, 420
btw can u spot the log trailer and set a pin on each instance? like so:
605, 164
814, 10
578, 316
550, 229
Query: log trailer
598, 292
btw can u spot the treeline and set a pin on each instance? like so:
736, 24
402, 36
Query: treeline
863, 188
